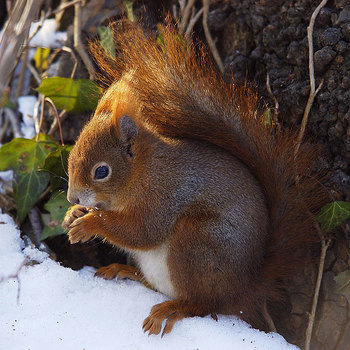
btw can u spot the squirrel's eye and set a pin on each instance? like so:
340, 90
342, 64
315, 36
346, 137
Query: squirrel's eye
101, 172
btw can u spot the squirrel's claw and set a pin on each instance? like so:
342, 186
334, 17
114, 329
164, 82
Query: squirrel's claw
171, 311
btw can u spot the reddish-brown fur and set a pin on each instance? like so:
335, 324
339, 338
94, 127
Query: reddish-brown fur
181, 106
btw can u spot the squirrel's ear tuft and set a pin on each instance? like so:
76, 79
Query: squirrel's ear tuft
128, 130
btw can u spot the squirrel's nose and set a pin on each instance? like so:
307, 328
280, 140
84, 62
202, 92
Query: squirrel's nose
72, 198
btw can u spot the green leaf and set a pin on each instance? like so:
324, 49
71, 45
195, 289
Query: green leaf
56, 164
107, 40
333, 214
25, 154
57, 206
28, 187
128, 5
26, 158
342, 286
72, 95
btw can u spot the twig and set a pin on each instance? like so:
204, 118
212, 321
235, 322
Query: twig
34, 73
313, 91
175, 14
14, 121
77, 41
68, 49
268, 87
325, 245
193, 21
57, 117
16, 276
66, 5
185, 16
62, 117
210, 41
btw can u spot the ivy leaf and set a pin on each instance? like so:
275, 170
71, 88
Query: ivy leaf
72, 95
27, 187
333, 214
26, 157
342, 286
56, 165
25, 154
57, 206
107, 40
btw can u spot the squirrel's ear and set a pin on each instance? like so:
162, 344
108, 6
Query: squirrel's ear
127, 133
128, 130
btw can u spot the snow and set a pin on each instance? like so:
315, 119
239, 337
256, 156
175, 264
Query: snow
47, 35
59, 308
26, 105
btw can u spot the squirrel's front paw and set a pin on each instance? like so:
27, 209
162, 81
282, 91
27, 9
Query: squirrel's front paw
74, 212
81, 229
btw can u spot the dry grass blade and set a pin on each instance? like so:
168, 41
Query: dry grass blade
15, 33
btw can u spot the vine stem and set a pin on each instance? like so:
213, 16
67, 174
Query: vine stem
325, 245
210, 40
313, 91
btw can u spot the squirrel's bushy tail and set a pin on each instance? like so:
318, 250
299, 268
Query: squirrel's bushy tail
183, 96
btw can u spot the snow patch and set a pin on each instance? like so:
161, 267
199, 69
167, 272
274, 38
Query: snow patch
60, 308
47, 36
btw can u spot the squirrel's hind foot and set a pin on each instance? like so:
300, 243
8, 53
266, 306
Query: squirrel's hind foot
171, 311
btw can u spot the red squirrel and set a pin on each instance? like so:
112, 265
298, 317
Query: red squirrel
183, 172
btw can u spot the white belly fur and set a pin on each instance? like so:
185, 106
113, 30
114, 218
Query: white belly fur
154, 266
